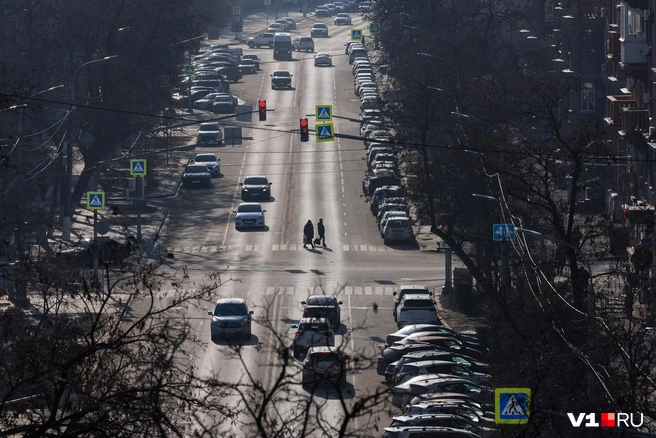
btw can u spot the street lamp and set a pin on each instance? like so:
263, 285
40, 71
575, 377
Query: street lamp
66, 223
445, 60
591, 294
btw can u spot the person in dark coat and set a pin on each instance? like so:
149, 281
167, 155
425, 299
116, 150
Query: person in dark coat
308, 232
322, 231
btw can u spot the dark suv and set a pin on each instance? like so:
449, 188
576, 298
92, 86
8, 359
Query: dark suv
256, 187
324, 363
323, 306
312, 332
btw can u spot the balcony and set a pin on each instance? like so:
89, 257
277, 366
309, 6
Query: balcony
635, 120
615, 106
634, 51
613, 44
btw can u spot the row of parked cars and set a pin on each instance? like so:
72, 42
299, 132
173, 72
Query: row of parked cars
439, 377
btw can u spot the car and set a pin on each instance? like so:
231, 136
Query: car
324, 364
395, 352
407, 289
355, 53
319, 30
331, 8
281, 79
254, 58
364, 7
275, 27
247, 66
427, 328
303, 43
211, 162
370, 103
445, 332
360, 86
249, 215
456, 404
383, 158
443, 420
403, 208
382, 193
323, 306
321, 11
375, 150
372, 114
323, 58
196, 175
256, 187
284, 23
398, 229
263, 39
230, 317
426, 431
290, 21
445, 342
452, 397
393, 200
389, 215
349, 44
206, 102
223, 103
231, 73
312, 332
342, 18
417, 356
413, 369
380, 136
339, 7
378, 178
209, 132
414, 308
432, 383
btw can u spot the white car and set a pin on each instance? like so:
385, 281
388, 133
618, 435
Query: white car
249, 215
275, 27
415, 308
209, 132
431, 383
211, 162
323, 58
388, 215
290, 21
398, 229
369, 103
410, 370
342, 18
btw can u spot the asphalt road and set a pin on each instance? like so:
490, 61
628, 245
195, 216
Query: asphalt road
269, 268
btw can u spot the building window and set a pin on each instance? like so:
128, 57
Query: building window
634, 23
587, 41
588, 97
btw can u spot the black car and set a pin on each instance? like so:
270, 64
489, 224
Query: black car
323, 306
382, 193
230, 73
281, 79
256, 187
378, 178
196, 175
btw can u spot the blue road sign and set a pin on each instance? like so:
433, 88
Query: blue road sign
512, 405
95, 200
189, 70
374, 27
138, 167
324, 113
356, 34
502, 232
325, 132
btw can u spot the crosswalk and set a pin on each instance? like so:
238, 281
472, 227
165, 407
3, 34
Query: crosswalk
304, 291
277, 247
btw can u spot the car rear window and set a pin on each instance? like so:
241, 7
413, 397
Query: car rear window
256, 181
418, 303
307, 40
324, 357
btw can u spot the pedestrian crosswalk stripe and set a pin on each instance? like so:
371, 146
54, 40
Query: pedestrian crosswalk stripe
270, 290
379, 290
358, 290
346, 247
275, 247
348, 290
364, 247
368, 290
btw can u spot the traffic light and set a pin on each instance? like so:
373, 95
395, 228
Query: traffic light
305, 132
262, 106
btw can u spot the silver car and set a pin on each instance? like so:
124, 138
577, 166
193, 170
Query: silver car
230, 317
211, 162
249, 214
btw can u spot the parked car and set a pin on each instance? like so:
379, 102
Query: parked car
253, 57
413, 369
324, 364
312, 332
281, 79
223, 103
256, 187
382, 193
444, 342
343, 18
196, 175
466, 336
432, 383
249, 215
443, 420
378, 178
209, 132
355, 53
396, 351
319, 30
414, 308
211, 161
230, 317
284, 23
323, 306
323, 58
370, 103
390, 215
417, 356
403, 208
408, 289
263, 39
231, 73
303, 43
452, 406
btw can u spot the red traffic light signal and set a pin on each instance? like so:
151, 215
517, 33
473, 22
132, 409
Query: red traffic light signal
305, 131
262, 108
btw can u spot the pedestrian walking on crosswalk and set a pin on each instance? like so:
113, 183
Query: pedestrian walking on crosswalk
321, 230
308, 234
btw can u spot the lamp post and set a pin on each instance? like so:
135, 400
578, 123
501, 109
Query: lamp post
68, 213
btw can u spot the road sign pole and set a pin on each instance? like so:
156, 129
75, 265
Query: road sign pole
95, 223
139, 239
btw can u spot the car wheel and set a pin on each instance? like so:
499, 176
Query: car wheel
251, 44
271, 45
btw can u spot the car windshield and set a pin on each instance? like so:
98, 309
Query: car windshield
281, 74
249, 208
418, 303
230, 309
306, 40
398, 224
197, 169
256, 181
319, 26
247, 61
223, 99
343, 14
209, 127
205, 158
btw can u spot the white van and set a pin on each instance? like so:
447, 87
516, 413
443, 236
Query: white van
282, 46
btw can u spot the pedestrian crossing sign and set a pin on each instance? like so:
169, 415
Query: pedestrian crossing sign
512, 405
356, 34
325, 132
190, 70
95, 200
138, 167
236, 10
324, 113
374, 27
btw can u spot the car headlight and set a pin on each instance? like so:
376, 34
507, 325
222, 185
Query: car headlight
244, 321
244, 189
